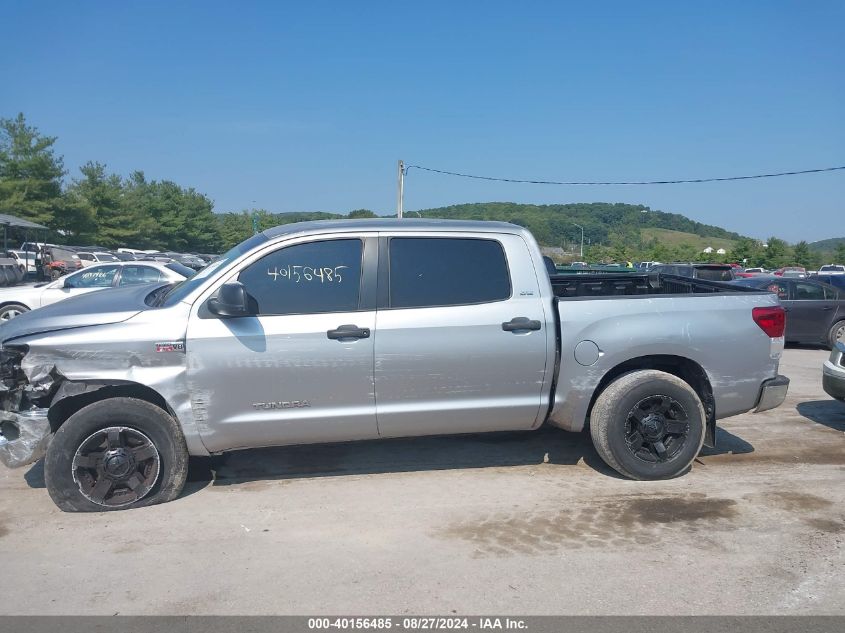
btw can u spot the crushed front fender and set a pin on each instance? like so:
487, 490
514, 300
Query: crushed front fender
24, 437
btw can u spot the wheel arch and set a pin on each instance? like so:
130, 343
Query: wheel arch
3, 304
73, 396
684, 368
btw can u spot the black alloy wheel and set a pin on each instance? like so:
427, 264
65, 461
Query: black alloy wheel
116, 466
656, 429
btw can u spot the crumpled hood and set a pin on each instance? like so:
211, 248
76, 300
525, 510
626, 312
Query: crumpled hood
110, 305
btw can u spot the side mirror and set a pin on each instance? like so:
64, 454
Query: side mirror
232, 300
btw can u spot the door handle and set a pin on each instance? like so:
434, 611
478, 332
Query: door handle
520, 324
348, 331
827, 308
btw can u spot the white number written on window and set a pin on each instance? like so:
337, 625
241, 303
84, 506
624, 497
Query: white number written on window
298, 274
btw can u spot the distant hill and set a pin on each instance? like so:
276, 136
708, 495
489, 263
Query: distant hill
603, 222
679, 238
826, 246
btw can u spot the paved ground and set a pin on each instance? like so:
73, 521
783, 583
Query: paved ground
522, 524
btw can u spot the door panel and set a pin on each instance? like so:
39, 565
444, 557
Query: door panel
277, 378
809, 312
454, 368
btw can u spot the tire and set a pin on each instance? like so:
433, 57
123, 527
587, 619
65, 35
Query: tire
141, 461
645, 413
837, 333
11, 310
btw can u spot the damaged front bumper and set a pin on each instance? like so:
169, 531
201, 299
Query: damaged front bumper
24, 427
24, 437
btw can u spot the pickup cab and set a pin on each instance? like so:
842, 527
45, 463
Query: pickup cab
356, 330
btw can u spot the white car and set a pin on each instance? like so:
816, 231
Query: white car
832, 269
92, 258
25, 259
19, 299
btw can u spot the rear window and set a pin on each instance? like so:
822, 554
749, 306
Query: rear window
715, 274
428, 272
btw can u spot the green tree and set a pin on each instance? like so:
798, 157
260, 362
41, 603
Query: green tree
776, 253
102, 198
30, 173
801, 254
748, 250
361, 213
840, 253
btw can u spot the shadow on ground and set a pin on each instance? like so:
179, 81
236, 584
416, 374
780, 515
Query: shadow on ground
727, 444
827, 412
486, 450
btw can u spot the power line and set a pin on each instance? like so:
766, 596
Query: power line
630, 182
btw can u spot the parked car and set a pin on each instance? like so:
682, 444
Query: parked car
191, 261
750, 272
96, 257
837, 281
351, 330
709, 272
833, 372
832, 269
797, 272
815, 310
15, 301
125, 257
26, 260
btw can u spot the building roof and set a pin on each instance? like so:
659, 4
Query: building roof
10, 220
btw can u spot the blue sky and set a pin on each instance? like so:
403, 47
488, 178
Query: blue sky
308, 105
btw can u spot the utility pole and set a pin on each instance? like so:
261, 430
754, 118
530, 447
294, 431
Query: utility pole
582, 239
400, 201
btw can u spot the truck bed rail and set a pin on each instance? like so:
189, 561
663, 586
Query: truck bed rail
635, 284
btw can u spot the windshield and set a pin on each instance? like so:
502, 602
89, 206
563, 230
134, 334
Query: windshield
184, 288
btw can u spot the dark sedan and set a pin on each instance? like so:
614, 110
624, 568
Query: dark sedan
815, 311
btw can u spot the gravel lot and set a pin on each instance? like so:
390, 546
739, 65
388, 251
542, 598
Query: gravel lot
505, 524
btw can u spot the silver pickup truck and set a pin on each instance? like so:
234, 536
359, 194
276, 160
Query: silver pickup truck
357, 330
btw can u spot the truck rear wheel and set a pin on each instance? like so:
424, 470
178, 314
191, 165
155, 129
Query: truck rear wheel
648, 424
115, 454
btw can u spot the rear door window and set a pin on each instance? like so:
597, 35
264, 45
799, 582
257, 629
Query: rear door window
428, 272
135, 275
808, 292
309, 278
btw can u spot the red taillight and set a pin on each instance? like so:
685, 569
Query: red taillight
771, 320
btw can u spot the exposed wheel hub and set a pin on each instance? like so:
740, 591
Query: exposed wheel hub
653, 426
118, 464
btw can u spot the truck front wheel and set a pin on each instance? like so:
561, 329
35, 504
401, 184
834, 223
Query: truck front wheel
115, 454
648, 424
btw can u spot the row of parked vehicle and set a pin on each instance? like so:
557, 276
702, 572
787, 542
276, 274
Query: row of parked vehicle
51, 261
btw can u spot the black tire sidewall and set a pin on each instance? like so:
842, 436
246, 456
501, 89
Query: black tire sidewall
679, 464
831, 335
20, 307
140, 415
